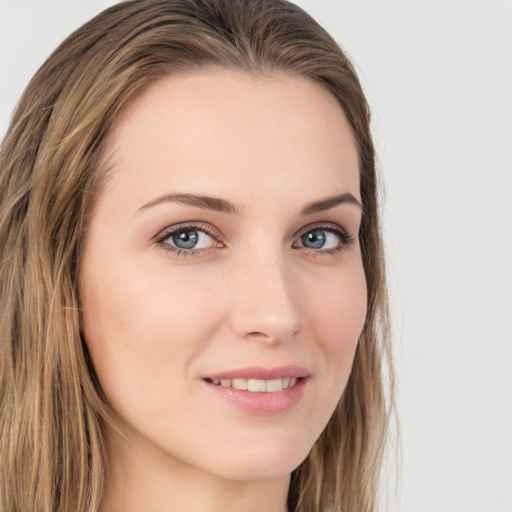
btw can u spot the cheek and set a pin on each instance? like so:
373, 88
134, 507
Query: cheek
337, 314
338, 311
143, 320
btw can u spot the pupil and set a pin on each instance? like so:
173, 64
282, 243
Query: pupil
313, 239
186, 239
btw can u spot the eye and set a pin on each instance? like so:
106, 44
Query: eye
319, 239
325, 239
193, 239
188, 239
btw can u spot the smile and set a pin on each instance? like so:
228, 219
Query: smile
259, 390
257, 385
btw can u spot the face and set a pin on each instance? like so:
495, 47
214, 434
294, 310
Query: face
222, 285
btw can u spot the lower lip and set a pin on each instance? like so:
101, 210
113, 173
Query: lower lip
261, 403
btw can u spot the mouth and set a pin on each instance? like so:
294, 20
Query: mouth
257, 385
259, 390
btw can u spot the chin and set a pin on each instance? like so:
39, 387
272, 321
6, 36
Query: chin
260, 462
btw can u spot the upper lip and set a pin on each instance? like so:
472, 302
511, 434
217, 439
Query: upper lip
261, 373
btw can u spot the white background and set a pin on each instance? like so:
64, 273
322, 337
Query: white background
438, 76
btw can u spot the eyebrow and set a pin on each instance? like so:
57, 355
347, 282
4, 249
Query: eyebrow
330, 202
222, 205
209, 203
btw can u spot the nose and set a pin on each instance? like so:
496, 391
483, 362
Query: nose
264, 302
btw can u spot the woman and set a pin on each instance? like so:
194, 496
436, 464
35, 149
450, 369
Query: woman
193, 299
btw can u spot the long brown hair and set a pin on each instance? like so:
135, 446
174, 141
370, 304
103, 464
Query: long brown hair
52, 165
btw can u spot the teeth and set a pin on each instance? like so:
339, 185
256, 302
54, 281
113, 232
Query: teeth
257, 385
275, 385
240, 384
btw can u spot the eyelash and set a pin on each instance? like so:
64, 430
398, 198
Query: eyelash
184, 228
346, 239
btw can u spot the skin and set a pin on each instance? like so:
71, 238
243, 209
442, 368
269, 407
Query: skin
252, 294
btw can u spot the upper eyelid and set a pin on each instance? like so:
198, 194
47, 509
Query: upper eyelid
187, 226
321, 225
208, 228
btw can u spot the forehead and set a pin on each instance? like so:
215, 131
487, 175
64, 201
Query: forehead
206, 130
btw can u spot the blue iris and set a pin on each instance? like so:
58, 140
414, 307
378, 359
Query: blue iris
185, 239
313, 239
